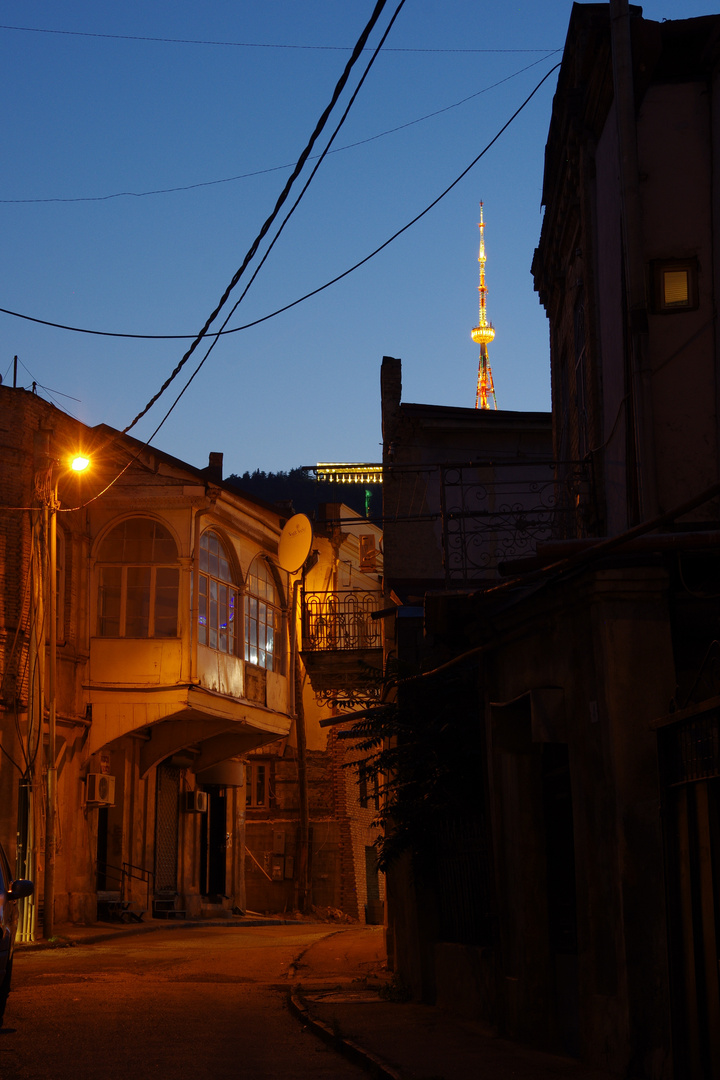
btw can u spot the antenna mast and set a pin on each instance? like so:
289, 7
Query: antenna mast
483, 334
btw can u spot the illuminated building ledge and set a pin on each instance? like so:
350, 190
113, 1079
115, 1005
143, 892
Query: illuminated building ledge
343, 473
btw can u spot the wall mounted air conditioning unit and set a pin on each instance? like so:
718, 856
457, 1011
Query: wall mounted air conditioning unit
100, 790
196, 802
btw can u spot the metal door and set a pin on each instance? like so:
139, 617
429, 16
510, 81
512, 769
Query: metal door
166, 828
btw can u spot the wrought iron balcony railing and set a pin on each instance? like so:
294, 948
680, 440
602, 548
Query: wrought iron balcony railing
501, 511
340, 620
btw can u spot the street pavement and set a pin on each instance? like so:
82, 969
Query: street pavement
339, 988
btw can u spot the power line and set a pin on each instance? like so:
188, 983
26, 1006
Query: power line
319, 127
327, 284
301, 299
372, 254
274, 168
288, 215
246, 44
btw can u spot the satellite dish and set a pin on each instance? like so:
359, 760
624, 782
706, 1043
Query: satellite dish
295, 543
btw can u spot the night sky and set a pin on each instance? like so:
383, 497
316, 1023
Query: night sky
145, 144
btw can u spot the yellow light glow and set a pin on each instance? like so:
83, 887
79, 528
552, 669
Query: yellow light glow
344, 473
79, 463
483, 335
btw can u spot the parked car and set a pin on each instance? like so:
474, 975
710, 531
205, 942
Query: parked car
10, 892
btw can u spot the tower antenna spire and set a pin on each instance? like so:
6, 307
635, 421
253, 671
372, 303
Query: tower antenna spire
483, 334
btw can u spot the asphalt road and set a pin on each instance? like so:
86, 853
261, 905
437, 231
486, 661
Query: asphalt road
206, 1003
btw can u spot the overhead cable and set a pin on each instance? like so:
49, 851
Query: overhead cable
289, 214
367, 257
246, 44
342, 82
306, 296
273, 168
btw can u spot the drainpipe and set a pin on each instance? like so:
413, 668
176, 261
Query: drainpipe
641, 390
199, 514
302, 880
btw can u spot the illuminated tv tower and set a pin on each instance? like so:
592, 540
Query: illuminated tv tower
483, 334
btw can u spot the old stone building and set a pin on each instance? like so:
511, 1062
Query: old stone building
341, 588
168, 661
584, 677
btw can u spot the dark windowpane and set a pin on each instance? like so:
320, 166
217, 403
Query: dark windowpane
164, 550
138, 540
139, 536
167, 581
260, 786
112, 547
137, 603
109, 601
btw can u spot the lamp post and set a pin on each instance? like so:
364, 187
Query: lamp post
77, 464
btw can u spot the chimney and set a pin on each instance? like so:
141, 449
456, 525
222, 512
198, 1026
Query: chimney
214, 469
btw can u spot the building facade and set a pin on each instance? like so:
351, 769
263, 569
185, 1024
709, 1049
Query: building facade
586, 670
172, 649
312, 784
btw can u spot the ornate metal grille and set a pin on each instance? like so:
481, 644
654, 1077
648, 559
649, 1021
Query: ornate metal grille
690, 749
500, 511
166, 827
341, 620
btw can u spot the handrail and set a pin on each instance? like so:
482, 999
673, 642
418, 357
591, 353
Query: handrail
126, 871
338, 619
110, 866
145, 875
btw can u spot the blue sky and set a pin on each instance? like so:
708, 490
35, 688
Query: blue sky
93, 110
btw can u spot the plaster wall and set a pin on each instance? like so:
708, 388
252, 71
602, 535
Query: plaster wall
593, 645
675, 125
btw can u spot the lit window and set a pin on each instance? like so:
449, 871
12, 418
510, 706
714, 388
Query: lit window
676, 288
675, 285
138, 581
257, 786
218, 596
262, 619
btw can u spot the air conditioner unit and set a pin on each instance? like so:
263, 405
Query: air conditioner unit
100, 790
196, 802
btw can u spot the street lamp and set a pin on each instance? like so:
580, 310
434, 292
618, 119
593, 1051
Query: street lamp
77, 464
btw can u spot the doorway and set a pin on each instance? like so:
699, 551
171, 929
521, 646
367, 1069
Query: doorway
213, 846
561, 892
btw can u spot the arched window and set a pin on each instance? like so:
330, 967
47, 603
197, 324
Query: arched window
218, 597
262, 619
139, 581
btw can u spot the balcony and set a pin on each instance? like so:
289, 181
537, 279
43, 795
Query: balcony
342, 643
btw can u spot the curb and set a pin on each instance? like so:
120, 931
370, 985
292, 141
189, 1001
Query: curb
68, 941
357, 1054
292, 970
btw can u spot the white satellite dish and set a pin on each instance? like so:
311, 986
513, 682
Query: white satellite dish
295, 543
